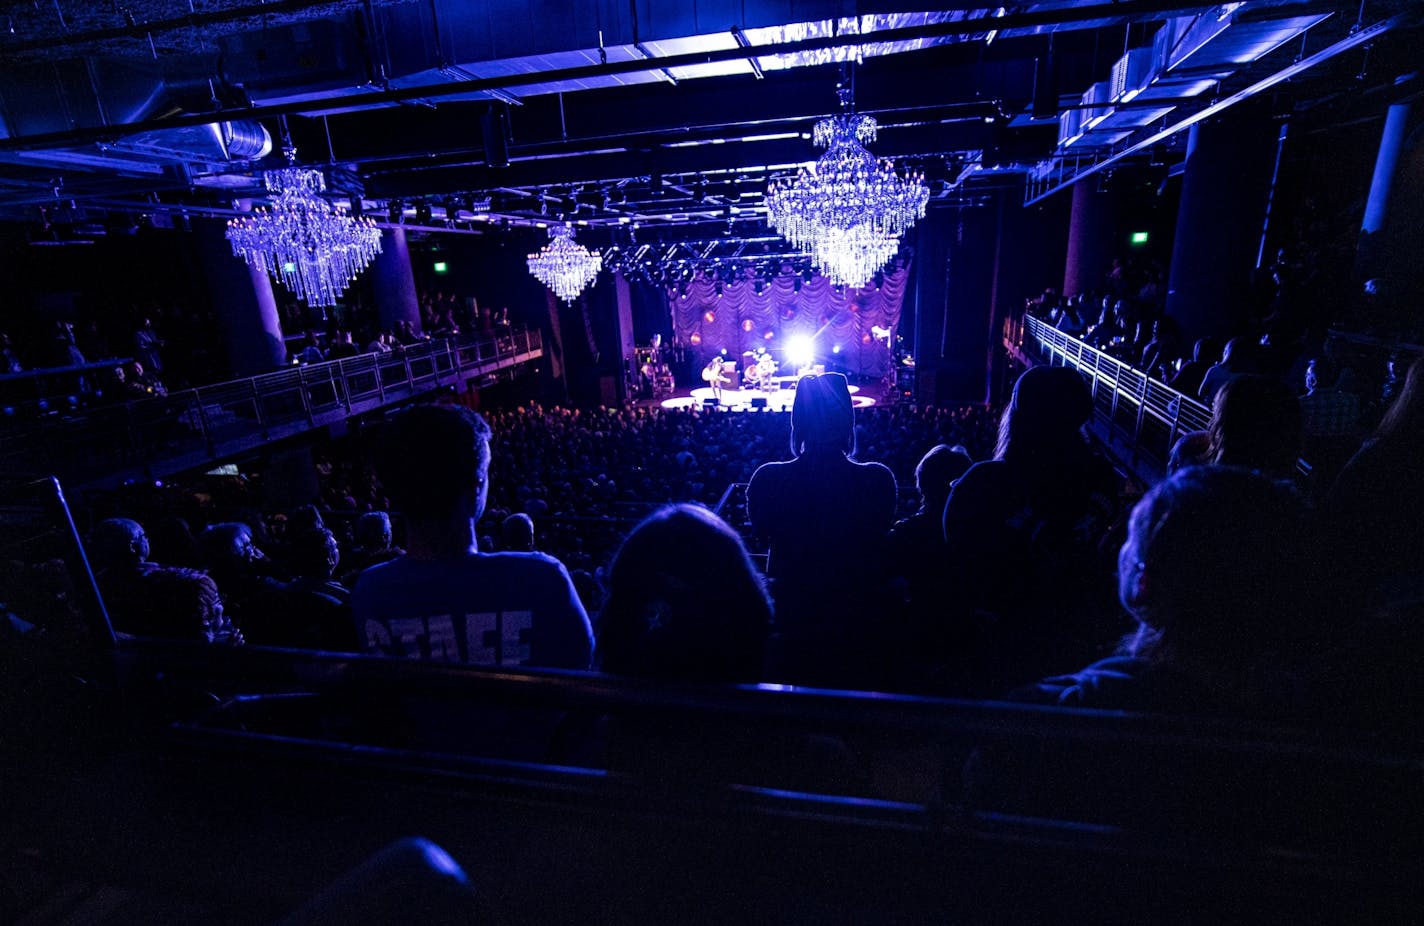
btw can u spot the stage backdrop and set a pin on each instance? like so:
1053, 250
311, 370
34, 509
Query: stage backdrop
738, 319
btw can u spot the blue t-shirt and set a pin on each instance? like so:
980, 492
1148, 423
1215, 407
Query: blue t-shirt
488, 609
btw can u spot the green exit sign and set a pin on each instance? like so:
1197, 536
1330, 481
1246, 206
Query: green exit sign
1139, 238
441, 266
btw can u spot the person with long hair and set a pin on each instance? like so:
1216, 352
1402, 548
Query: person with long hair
1023, 571
684, 602
1255, 423
1372, 514
819, 514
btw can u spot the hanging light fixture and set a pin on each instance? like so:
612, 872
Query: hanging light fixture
564, 265
848, 209
304, 242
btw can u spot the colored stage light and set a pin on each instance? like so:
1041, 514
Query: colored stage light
1139, 238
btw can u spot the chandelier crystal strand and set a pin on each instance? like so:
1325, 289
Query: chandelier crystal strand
848, 209
310, 246
564, 265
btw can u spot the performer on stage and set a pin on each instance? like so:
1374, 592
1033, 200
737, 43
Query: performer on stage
712, 373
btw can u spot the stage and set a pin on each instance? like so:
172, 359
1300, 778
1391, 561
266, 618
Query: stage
750, 400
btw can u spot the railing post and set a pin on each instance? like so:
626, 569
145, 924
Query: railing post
203, 425
257, 406
339, 373
1141, 417
306, 396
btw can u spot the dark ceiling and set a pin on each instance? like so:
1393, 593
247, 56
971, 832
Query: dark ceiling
655, 113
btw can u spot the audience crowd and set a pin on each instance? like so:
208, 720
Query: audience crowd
1014, 563
954, 552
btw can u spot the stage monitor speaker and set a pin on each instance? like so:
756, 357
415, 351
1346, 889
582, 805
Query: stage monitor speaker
759, 401
494, 127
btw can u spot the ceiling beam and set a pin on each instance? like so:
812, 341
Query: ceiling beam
1126, 11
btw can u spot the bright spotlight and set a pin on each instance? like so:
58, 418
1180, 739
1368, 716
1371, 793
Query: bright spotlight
800, 351
836, 349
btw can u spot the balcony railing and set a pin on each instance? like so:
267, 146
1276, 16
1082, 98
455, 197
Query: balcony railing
1140, 417
168, 434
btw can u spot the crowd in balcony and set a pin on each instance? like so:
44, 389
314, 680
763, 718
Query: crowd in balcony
115, 357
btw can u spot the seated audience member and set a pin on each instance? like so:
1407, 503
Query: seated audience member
372, 543
1229, 625
914, 557
445, 600
147, 599
142, 383
311, 611
1372, 514
1163, 349
1255, 423
240, 568
1210, 571
1328, 409
1330, 419
516, 534
684, 602
817, 513
1237, 359
342, 348
1188, 380
1024, 575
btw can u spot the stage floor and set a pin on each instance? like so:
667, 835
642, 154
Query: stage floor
744, 400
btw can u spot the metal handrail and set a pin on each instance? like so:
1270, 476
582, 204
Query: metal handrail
1143, 414
166, 434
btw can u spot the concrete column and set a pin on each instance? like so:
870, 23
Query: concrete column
1225, 190
1396, 121
1090, 239
243, 302
1378, 253
393, 282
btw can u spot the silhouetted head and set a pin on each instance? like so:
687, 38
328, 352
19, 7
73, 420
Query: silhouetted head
1256, 423
1240, 355
228, 547
1207, 350
1210, 561
372, 532
315, 553
118, 543
517, 533
183, 604
821, 415
434, 462
684, 602
1045, 416
1404, 421
1321, 373
938, 470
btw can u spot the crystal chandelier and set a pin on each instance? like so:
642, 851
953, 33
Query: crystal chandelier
564, 265
304, 242
848, 209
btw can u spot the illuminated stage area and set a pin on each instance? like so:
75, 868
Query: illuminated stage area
750, 400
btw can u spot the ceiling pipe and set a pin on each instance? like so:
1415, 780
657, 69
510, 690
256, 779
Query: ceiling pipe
1128, 10
1354, 39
